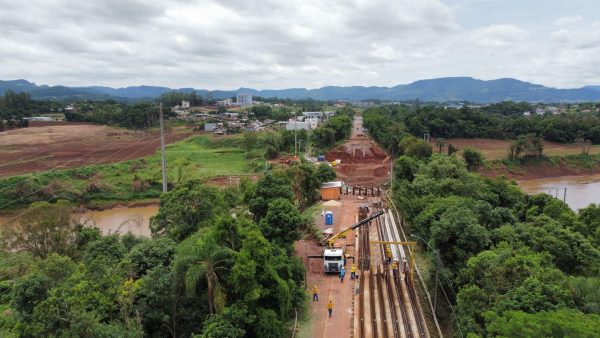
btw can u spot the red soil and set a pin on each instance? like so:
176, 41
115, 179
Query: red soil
69, 145
363, 162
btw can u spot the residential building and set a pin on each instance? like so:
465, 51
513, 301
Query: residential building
295, 125
185, 104
210, 126
225, 102
313, 114
313, 122
244, 99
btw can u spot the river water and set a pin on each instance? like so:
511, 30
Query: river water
122, 219
580, 190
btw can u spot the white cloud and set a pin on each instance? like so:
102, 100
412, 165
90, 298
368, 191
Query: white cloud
226, 44
497, 35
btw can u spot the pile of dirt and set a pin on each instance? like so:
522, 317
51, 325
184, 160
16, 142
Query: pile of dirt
363, 161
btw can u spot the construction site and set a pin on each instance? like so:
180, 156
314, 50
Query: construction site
364, 236
362, 161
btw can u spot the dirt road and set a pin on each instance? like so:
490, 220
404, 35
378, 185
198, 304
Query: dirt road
67, 146
329, 285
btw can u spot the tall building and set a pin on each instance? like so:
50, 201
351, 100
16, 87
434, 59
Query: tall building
244, 99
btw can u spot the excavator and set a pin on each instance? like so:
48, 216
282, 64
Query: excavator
333, 257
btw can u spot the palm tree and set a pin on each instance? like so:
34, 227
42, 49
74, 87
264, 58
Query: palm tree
441, 143
202, 257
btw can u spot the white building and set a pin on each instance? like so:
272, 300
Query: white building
313, 122
185, 104
294, 125
244, 99
313, 114
225, 102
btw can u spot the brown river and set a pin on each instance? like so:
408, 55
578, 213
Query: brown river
580, 190
122, 219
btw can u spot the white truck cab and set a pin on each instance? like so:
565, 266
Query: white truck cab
333, 260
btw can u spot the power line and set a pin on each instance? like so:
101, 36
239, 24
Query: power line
451, 308
31, 156
72, 186
46, 186
62, 164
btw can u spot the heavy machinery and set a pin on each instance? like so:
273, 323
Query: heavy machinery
333, 257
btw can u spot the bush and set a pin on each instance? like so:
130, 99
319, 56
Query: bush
473, 157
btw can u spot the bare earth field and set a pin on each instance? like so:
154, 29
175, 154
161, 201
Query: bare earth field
44, 148
498, 149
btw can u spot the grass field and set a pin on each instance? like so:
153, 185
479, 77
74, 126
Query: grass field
198, 157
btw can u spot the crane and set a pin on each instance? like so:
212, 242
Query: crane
333, 258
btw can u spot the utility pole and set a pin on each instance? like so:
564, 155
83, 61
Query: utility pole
295, 137
162, 149
392, 177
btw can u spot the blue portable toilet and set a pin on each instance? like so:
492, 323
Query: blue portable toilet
328, 218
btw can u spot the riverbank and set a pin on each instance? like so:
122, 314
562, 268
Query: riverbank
577, 191
544, 167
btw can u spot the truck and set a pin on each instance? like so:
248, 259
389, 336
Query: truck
334, 257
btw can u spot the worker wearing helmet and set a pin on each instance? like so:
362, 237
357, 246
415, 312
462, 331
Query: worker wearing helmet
353, 272
315, 293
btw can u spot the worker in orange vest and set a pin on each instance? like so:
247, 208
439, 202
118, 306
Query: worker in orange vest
315, 292
330, 307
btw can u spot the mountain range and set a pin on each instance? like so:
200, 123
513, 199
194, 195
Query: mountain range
440, 90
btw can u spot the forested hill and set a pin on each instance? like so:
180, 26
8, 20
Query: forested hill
440, 90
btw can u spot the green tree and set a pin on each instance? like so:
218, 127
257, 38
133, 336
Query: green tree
44, 228
202, 258
151, 253
325, 173
405, 168
185, 209
441, 144
559, 323
452, 149
590, 220
473, 157
281, 223
268, 188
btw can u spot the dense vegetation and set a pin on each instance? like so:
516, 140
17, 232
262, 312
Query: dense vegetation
133, 116
219, 264
512, 265
16, 106
388, 124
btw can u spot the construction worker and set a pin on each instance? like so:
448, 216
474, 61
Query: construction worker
330, 307
353, 272
342, 274
388, 252
315, 292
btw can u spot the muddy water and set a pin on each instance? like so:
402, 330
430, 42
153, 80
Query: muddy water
122, 220
581, 190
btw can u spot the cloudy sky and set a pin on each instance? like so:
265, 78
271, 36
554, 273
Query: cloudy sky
226, 44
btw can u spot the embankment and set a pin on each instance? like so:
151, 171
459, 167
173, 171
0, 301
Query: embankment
545, 167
